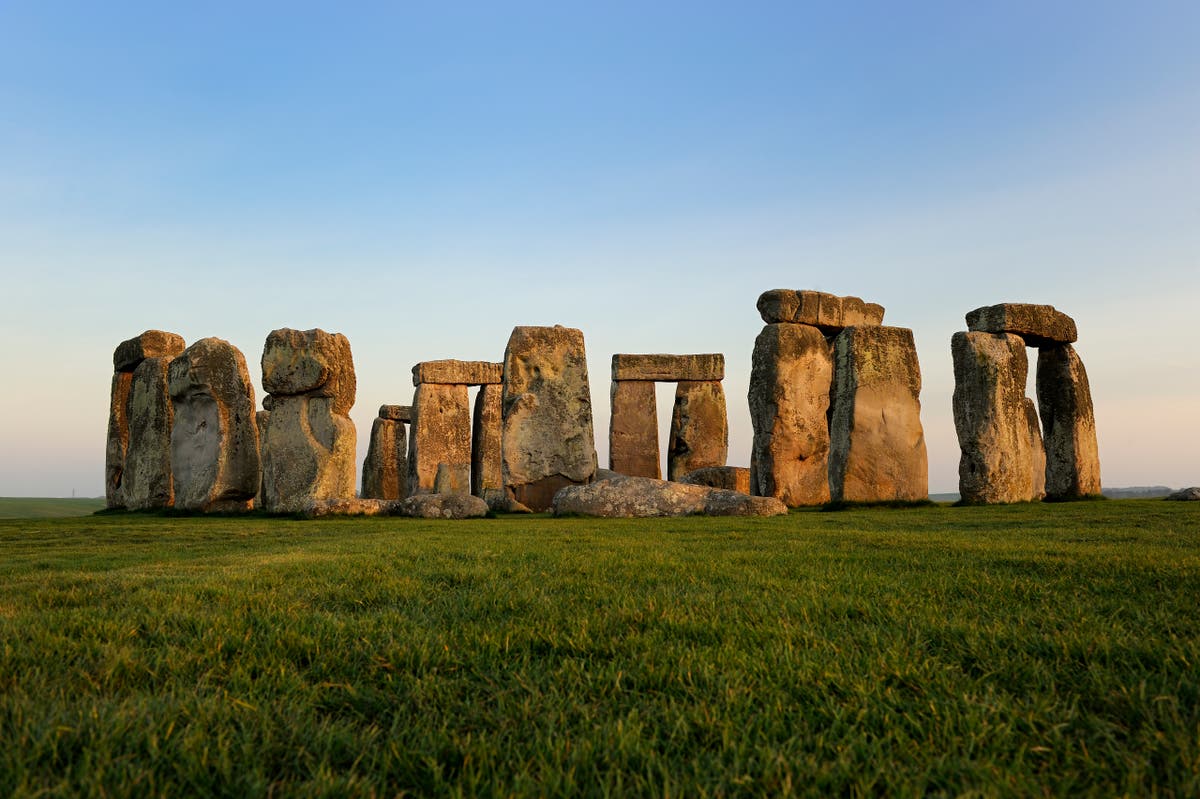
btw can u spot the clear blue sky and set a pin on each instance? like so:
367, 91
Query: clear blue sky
422, 177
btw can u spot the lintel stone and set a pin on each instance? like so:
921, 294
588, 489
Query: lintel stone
669, 368
1038, 325
828, 312
396, 413
450, 372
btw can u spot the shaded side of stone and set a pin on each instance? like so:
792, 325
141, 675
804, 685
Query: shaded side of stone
150, 344
117, 443
877, 442
397, 413
699, 435
147, 479
385, 469
260, 423
668, 368
633, 429
1037, 449
1068, 424
730, 478
440, 433
1038, 325
487, 457
790, 381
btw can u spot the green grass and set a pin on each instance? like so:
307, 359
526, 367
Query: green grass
1023, 650
48, 507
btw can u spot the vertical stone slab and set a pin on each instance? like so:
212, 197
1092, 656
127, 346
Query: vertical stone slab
699, 428
260, 423
309, 451
548, 441
487, 457
1037, 449
452, 478
441, 433
214, 444
385, 469
146, 482
989, 416
1068, 424
633, 429
118, 439
790, 379
877, 444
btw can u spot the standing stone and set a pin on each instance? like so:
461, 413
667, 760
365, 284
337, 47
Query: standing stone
147, 477
877, 444
385, 469
214, 444
633, 429
548, 438
452, 478
989, 416
1037, 449
790, 381
309, 449
487, 459
441, 433
699, 428
260, 424
731, 478
1068, 424
126, 357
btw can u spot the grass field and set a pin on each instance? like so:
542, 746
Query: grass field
1022, 650
48, 507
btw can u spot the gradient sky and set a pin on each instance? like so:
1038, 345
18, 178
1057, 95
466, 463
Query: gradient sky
424, 176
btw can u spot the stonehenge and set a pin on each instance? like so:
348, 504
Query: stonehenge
1006, 456
385, 469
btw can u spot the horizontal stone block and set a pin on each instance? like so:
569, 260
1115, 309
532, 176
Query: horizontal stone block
1038, 325
396, 413
828, 312
458, 373
151, 344
669, 368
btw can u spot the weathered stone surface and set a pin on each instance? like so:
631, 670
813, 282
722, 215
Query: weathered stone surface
385, 469
487, 457
452, 478
641, 497
214, 444
458, 373
442, 506
790, 380
1185, 495
440, 433
146, 482
396, 413
730, 478
308, 454
699, 428
668, 368
828, 312
548, 439
633, 429
260, 424
1068, 424
349, 506
877, 444
1038, 325
996, 464
150, 344
310, 362
117, 443
1037, 449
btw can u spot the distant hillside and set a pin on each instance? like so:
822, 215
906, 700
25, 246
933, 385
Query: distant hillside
47, 507
1136, 492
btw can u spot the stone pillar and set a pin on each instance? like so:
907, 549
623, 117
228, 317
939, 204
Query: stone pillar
126, 358
214, 443
1037, 449
699, 428
309, 451
441, 433
877, 444
990, 418
1068, 424
633, 429
260, 423
147, 482
548, 439
790, 380
385, 469
487, 459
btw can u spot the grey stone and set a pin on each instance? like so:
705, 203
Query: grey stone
385, 469
642, 497
442, 506
1185, 495
699, 434
146, 483
487, 456
396, 413
633, 429
310, 362
1068, 424
1037, 325
150, 344
117, 443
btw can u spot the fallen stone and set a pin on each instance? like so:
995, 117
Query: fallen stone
1185, 495
146, 482
642, 497
214, 444
385, 469
442, 506
730, 478
458, 373
790, 380
1068, 424
310, 362
349, 506
548, 440
996, 464
487, 456
633, 429
150, 344
877, 444
1038, 325
668, 368
396, 413
699, 434
828, 312
440, 433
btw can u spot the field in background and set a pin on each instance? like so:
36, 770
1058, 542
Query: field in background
1014, 650
48, 507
